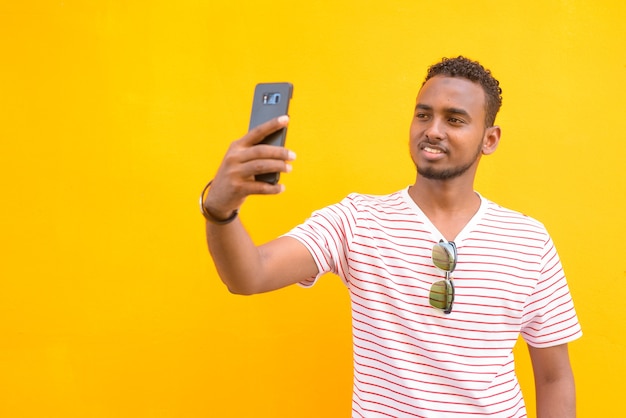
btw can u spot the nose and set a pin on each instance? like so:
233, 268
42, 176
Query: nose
435, 131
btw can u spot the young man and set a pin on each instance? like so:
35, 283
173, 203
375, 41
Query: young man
442, 281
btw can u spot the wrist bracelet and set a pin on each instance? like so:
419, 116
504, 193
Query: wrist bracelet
208, 216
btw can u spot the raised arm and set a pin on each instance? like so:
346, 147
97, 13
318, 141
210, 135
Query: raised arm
554, 382
242, 266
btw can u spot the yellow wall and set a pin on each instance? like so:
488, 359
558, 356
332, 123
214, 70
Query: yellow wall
113, 115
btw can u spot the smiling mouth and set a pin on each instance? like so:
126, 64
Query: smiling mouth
432, 149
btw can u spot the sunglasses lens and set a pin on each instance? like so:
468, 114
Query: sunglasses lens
441, 295
444, 256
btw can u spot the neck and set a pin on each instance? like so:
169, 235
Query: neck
444, 195
449, 204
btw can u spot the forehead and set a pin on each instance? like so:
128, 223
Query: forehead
441, 92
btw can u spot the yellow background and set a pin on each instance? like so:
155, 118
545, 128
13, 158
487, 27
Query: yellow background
113, 115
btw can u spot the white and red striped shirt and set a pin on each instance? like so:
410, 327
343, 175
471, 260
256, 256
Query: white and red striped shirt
412, 360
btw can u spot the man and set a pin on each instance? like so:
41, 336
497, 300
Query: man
442, 281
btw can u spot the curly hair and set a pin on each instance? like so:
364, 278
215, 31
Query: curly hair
471, 70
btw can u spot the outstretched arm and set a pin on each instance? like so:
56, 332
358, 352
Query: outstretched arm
242, 266
554, 382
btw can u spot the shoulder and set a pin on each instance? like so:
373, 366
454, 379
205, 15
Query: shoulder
497, 214
391, 206
362, 209
369, 201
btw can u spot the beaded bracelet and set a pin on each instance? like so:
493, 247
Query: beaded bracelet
208, 216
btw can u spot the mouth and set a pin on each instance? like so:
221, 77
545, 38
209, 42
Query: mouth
432, 149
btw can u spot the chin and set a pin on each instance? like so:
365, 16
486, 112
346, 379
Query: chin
446, 174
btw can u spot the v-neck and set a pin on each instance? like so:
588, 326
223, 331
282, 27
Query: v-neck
436, 234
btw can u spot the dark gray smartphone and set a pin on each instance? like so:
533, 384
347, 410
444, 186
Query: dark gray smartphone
270, 101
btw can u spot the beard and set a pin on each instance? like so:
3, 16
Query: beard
432, 173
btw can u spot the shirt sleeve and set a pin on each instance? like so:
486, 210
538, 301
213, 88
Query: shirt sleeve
549, 317
327, 234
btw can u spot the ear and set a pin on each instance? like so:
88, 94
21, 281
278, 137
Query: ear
491, 140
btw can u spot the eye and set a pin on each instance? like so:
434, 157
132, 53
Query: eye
456, 121
420, 115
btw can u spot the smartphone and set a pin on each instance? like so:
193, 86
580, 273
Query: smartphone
270, 100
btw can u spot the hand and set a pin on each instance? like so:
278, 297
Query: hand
244, 159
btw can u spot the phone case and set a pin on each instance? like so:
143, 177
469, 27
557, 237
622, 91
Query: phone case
270, 100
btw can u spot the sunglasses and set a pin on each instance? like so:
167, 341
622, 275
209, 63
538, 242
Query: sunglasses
442, 292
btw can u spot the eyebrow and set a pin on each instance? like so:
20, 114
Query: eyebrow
449, 110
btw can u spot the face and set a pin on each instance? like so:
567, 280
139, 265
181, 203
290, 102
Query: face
448, 132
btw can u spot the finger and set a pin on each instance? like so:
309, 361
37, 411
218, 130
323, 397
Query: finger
264, 166
258, 133
266, 152
261, 187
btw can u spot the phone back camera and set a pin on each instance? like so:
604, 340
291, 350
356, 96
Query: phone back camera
271, 98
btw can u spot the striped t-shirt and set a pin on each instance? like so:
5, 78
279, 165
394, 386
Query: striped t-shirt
412, 360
